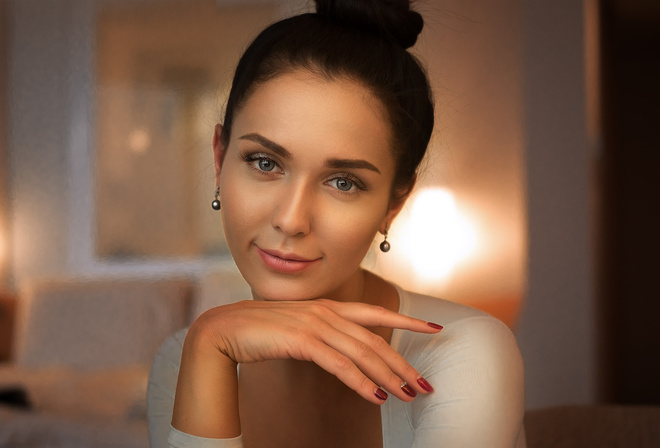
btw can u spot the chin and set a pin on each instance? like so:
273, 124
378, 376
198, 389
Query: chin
281, 295
287, 289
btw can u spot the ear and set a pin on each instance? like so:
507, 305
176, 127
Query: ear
219, 149
399, 198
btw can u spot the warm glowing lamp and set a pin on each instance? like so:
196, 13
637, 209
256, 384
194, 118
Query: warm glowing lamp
431, 237
438, 236
437, 248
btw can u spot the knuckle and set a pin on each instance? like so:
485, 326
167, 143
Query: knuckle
364, 383
378, 342
309, 320
298, 333
343, 363
409, 371
381, 314
364, 350
394, 379
319, 309
380, 310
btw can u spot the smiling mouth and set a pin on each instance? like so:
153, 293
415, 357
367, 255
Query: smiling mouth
284, 263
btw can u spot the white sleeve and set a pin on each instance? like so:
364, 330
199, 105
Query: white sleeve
160, 402
178, 439
476, 369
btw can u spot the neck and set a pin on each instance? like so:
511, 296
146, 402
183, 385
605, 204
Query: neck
353, 290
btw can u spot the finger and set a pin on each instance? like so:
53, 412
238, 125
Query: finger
403, 377
370, 315
342, 367
394, 360
362, 352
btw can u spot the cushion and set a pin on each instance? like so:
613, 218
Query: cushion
98, 323
101, 396
220, 287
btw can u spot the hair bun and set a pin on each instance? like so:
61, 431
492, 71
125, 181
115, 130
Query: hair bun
389, 18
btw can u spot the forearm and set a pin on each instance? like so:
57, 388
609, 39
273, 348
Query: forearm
206, 400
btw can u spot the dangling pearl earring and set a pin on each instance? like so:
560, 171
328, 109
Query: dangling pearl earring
215, 205
385, 246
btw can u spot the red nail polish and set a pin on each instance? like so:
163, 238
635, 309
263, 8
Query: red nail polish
436, 326
424, 384
408, 390
380, 393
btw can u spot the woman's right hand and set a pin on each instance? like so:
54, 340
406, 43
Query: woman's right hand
329, 333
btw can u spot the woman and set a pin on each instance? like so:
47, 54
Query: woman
327, 121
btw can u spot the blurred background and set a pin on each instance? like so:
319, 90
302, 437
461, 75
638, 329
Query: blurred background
538, 201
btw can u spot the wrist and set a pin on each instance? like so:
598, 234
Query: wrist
206, 400
205, 342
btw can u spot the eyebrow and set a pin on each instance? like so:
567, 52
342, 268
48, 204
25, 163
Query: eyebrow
330, 163
266, 143
351, 163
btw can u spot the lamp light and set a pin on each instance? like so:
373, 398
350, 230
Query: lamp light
436, 237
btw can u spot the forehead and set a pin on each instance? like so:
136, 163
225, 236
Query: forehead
301, 109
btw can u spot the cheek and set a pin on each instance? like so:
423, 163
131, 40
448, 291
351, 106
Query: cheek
241, 210
347, 234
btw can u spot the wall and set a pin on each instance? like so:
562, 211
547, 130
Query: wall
557, 332
40, 123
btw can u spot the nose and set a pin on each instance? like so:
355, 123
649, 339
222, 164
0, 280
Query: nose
293, 212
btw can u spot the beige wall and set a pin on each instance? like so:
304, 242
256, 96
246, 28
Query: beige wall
558, 328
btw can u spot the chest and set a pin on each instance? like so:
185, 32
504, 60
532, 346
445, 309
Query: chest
312, 410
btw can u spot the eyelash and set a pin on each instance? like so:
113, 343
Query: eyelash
354, 180
251, 158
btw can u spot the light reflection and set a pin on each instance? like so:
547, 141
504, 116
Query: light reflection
139, 140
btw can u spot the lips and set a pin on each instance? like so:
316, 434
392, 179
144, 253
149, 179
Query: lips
287, 263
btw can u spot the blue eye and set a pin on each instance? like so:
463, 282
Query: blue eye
343, 184
266, 164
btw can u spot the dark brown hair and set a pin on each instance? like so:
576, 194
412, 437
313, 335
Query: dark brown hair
362, 40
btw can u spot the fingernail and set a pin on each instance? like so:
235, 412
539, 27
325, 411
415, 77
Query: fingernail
424, 384
408, 390
380, 393
436, 326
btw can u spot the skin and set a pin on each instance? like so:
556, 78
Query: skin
306, 175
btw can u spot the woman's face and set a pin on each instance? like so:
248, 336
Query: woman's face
305, 185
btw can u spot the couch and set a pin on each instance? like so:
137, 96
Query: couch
84, 347
82, 354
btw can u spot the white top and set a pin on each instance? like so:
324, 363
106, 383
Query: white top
473, 364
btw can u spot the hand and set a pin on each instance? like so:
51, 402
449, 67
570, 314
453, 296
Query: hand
328, 333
